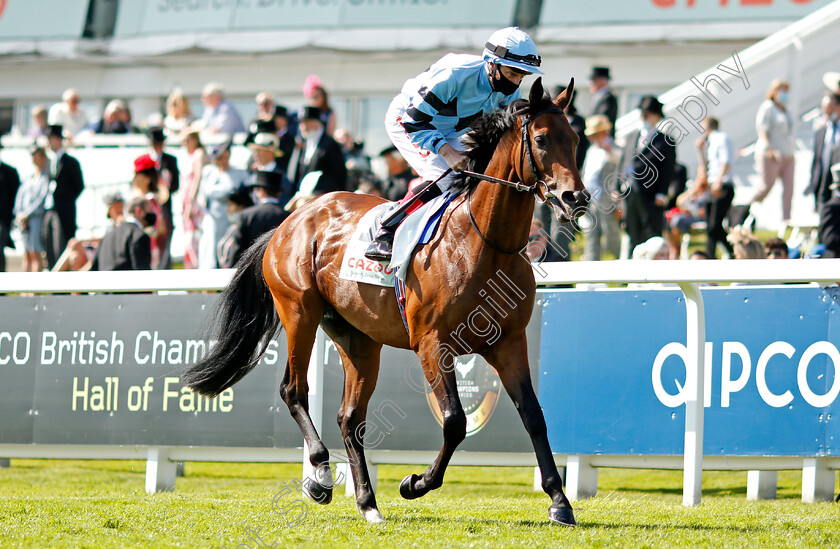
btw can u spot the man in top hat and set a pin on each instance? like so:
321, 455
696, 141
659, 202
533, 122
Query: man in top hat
170, 180
266, 153
66, 186
9, 185
645, 172
400, 174
603, 100
320, 153
286, 125
257, 220
127, 247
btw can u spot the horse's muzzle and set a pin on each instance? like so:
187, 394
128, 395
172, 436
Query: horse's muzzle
571, 205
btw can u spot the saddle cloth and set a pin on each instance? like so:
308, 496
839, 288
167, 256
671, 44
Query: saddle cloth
417, 228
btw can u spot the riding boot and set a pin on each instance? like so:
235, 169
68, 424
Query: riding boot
381, 246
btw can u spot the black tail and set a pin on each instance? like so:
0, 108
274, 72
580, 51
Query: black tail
242, 317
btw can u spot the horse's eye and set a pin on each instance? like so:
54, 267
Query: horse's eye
541, 141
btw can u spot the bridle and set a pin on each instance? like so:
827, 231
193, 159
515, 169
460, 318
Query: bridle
547, 195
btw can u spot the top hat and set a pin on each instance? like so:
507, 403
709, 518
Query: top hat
388, 150
143, 163
310, 113
55, 130
280, 110
264, 126
600, 72
218, 150
651, 104
270, 180
597, 123
240, 196
832, 81
156, 134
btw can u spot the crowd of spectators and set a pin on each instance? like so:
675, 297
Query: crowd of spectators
637, 188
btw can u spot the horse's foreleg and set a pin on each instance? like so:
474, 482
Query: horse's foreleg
360, 357
301, 323
444, 385
511, 362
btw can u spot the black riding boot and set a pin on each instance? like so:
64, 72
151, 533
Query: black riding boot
381, 246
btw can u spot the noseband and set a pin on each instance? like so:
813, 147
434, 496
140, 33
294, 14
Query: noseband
519, 186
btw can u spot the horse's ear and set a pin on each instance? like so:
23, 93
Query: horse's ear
565, 96
537, 93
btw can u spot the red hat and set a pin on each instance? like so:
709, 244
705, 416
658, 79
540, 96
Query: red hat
143, 163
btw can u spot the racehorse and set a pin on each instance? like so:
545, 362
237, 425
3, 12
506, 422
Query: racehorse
295, 271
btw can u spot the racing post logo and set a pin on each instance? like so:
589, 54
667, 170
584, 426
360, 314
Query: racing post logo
478, 388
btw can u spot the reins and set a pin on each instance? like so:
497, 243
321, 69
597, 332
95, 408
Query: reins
517, 185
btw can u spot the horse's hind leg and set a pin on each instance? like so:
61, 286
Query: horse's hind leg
300, 318
360, 357
511, 362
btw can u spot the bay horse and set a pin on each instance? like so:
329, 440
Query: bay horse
295, 271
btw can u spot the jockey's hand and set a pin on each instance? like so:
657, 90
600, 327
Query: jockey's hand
455, 159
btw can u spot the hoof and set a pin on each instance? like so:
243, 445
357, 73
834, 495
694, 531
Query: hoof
562, 515
317, 492
373, 516
407, 487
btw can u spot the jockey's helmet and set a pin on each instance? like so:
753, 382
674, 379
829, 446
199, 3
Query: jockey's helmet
512, 47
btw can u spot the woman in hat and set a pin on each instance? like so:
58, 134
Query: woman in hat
191, 182
316, 96
775, 145
178, 114
218, 181
145, 184
30, 208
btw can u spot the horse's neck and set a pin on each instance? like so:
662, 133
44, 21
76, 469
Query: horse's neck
503, 214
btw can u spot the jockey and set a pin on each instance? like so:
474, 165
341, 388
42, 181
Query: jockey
434, 110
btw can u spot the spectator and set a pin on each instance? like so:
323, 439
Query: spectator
776, 248
646, 169
169, 181
830, 220
265, 107
599, 167
265, 150
39, 122
79, 253
285, 124
715, 152
30, 210
354, 151
400, 174
539, 248
67, 114
775, 145
316, 96
218, 181
654, 248
320, 153
603, 99
114, 120
368, 186
127, 247
115, 204
67, 184
690, 208
578, 123
146, 184
219, 115
178, 114
237, 201
9, 185
192, 182
255, 221
744, 244
825, 139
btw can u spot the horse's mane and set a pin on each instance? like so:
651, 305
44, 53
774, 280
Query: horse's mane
487, 130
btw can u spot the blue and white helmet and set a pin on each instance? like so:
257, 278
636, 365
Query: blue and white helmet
512, 47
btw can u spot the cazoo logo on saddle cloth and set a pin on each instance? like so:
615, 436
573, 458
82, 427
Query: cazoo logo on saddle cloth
479, 387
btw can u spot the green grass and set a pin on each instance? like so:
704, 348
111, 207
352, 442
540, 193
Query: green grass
98, 504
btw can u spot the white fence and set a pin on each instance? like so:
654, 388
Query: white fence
818, 473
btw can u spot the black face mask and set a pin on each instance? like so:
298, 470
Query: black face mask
500, 83
150, 218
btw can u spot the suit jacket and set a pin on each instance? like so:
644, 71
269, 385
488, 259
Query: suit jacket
69, 184
578, 123
820, 176
253, 223
126, 247
329, 159
649, 170
607, 105
9, 185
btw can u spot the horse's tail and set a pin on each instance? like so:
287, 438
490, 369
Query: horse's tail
243, 322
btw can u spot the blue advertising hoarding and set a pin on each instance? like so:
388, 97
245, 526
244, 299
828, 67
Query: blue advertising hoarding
611, 371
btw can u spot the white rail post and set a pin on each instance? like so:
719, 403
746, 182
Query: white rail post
315, 380
761, 484
160, 472
581, 479
817, 480
694, 384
